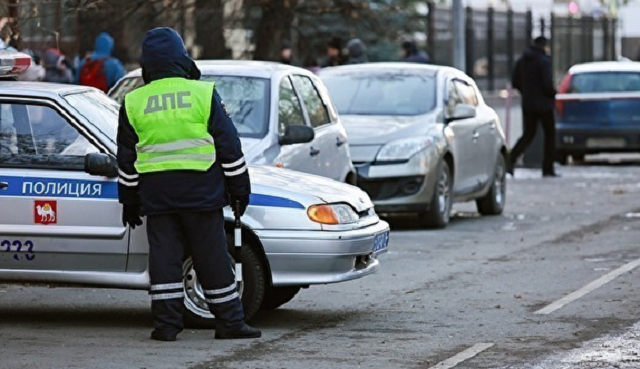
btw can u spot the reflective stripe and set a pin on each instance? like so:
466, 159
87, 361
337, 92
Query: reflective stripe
188, 143
236, 172
194, 157
166, 286
129, 184
234, 164
223, 299
167, 296
127, 176
221, 290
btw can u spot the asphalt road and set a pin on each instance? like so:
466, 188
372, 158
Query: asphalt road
551, 284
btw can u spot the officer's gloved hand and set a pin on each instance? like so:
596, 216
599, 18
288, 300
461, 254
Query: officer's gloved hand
131, 215
244, 202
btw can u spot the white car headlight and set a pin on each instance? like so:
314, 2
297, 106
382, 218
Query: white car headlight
332, 214
403, 149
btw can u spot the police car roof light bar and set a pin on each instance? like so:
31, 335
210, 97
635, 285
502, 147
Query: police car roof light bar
13, 63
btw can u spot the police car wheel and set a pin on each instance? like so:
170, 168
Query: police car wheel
274, 297
196, 311
493, 202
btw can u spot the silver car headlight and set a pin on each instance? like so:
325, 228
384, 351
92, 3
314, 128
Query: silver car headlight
332, 214
404, 148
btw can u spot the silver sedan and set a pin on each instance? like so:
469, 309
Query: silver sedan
421, 138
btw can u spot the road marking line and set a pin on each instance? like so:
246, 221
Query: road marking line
589, 288
462, 356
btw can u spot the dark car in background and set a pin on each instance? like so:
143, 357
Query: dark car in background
598, 110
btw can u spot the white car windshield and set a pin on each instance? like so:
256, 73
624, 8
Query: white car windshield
98, 109
381, 93
245, 98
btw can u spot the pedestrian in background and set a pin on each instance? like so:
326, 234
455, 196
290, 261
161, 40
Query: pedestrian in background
334, 55
179, 160
533, 77
357, 52
56, 67
412, 54
286, 53
99, 69
311, 64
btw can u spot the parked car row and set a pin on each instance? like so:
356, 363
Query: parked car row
419, 137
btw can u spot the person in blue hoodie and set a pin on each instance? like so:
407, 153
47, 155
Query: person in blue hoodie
180, 161
100, 69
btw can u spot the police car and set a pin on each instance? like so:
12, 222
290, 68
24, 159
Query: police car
60, 220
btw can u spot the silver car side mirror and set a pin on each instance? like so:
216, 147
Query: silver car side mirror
462, 111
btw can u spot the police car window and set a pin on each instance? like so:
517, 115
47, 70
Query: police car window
98, 109
124, 87
318, 115
289, 109
36, 136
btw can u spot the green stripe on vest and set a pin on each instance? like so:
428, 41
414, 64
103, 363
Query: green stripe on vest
171, 118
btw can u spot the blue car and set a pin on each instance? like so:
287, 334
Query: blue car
598, 110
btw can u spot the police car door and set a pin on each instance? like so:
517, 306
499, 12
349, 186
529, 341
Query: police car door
53, 216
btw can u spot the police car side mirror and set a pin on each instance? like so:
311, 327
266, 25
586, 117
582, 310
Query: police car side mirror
297, 134
99, 164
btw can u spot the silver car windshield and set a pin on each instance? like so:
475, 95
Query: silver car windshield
381, 93
246, 99
98, 109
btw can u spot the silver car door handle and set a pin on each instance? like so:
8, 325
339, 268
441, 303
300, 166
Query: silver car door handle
340, 142
314, 152
3, 185
476, 135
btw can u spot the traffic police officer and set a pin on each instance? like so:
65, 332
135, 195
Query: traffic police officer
179, 160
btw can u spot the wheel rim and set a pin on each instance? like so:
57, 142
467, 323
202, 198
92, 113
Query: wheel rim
194, 299
443, 194
500, 184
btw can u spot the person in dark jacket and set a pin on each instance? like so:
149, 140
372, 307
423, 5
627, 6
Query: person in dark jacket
56, 67
179, 160
357, 52
412, 54
533, 77
334, 55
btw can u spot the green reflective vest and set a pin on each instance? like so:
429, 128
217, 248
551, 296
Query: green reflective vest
171, 118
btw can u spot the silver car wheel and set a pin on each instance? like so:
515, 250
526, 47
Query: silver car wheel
500, 184
444, 193
194, 299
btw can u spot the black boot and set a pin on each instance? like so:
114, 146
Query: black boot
245, 331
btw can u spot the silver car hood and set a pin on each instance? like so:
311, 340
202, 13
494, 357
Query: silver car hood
380, 129
306, 189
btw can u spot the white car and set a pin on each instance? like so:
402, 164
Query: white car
283, 114
61, 221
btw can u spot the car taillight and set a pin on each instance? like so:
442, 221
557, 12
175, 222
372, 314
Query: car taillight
13, 63
564, 88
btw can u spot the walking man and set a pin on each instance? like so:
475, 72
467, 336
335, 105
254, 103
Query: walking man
533, 77
100, 69
179, 159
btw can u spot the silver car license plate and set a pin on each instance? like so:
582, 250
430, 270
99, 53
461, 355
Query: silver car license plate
606, 143
380, 242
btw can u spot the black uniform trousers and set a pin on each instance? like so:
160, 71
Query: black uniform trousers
531, 119
202, 234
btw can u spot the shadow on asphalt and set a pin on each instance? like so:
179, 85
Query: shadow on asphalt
284, 318
410, 222
102, 317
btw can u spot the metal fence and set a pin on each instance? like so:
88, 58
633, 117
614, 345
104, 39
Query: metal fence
496, 38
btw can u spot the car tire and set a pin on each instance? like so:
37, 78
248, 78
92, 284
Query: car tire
493, 202
562, 159
577, 158
252, 289
274, 297
439, 211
